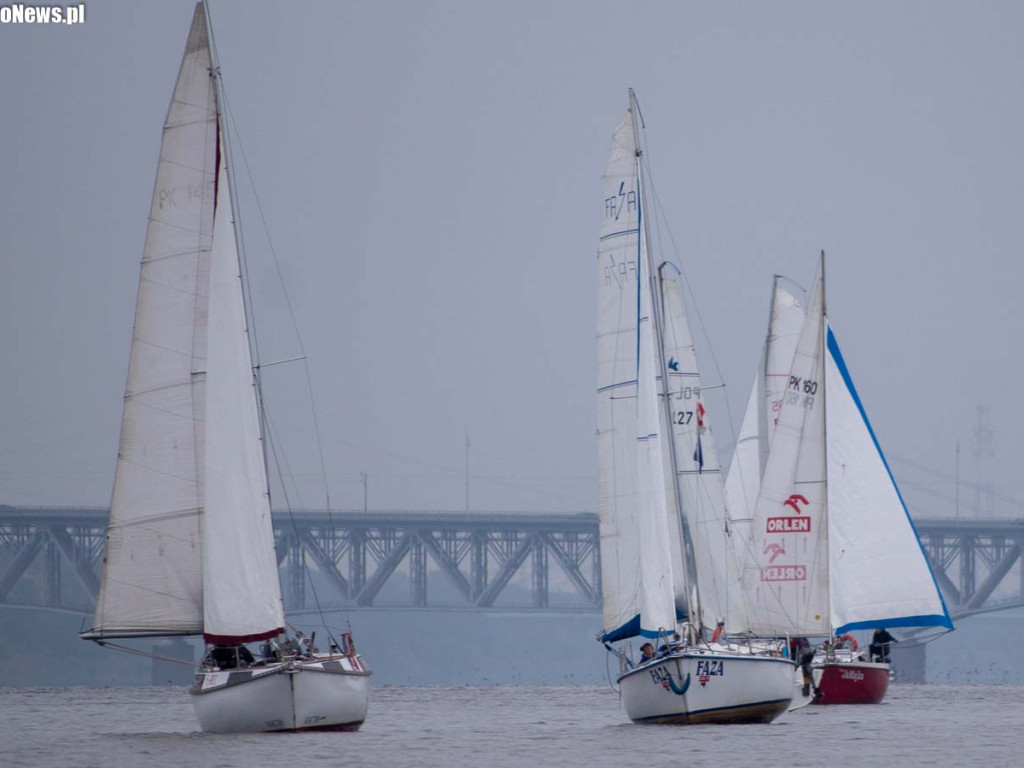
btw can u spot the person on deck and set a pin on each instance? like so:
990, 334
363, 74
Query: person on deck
879, 647
288, 647
268, 650
646, 653
801, 652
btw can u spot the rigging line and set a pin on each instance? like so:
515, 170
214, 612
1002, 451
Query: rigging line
236, 209
285, 294
696, 308
137, 652
295, 529
952, 479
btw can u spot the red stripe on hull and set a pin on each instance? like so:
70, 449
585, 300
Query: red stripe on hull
852, 683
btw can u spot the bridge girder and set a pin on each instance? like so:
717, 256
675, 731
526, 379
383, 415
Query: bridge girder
478, 556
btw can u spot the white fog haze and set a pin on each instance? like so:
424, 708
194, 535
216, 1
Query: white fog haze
430, 177
420, 192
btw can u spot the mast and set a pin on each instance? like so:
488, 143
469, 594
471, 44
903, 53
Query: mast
762, 412
823, 341
655, 287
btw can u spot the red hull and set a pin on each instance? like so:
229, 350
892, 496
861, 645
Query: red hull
851, 682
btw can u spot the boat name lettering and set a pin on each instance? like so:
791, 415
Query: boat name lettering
784, 573
789, 525
853, 674
710, 667
616, 204
659, 676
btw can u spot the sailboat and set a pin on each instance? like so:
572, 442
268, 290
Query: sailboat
832, 546
661, 501
190, 547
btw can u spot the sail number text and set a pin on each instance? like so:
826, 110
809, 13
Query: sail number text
801, 392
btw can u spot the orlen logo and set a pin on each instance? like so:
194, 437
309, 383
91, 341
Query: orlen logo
791, 524
775, 549
784, 573
795, 501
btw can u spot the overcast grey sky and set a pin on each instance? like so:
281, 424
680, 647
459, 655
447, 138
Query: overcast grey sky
430, 173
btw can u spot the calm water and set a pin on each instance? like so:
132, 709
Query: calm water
514, 726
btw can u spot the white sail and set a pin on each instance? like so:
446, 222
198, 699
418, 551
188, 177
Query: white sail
787, 576
152, 575
699, 475
751, 455
655, 514
834, 548
879, 574
641, 557
241, 587
189, 514
618, 296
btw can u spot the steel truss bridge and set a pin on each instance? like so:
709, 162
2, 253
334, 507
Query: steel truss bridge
50, 558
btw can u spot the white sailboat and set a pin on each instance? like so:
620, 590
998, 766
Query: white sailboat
190, 548
833, 548
743, 482
664, 539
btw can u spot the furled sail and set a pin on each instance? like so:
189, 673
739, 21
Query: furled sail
189, 513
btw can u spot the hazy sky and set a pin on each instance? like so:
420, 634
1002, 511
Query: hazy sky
430, 174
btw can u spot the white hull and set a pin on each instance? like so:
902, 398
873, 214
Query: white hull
692, 687
801, 699
325, 693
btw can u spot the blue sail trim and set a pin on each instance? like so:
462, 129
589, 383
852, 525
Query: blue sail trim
927, 620
625, 631
632, 628
943, 620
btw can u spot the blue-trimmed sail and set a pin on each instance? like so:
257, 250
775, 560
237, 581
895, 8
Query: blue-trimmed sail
879, 574
640, 549
833, 547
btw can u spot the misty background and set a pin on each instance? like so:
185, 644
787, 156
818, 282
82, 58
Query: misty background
430, 178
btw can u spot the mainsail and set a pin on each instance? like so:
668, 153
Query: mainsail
621, 257
190, 542
658, 470
770, 382
789, 581
832, 545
